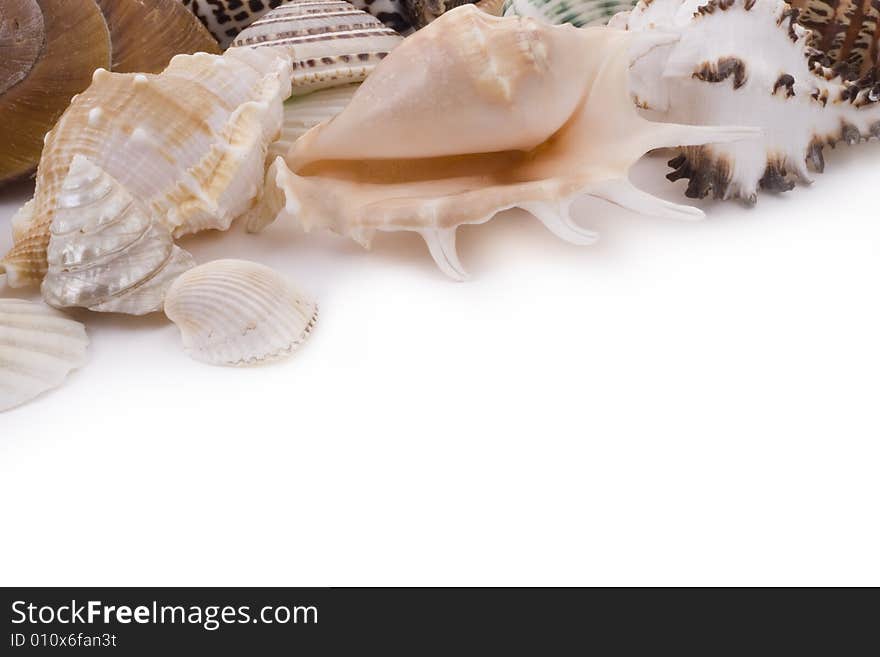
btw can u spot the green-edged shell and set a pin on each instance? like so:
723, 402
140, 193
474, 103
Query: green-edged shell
580, 13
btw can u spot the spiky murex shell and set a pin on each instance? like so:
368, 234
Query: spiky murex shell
750, 62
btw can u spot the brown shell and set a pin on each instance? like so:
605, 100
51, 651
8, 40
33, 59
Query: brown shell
49, 50
845, 31
146, 34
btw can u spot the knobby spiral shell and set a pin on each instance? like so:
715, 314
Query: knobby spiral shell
189, 144
473, 115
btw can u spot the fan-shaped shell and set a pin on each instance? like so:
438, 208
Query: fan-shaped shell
38, 348
144, 36
473, 115
329, 41
106, 253
189, 144
48, 51
234, 312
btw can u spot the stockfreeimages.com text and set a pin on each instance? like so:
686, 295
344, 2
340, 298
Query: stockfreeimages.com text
211, 617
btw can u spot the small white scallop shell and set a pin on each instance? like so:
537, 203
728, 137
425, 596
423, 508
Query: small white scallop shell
234, 312
106, 253
38, 348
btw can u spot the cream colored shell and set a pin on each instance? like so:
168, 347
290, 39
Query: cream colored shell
38, 348
234, 312
189, 144
473, 115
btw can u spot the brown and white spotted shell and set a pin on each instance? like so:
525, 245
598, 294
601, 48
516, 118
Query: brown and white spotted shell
226, 18
754, 62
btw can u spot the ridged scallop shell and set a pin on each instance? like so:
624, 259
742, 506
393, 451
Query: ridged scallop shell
49, 50
189, 144
234, 312
330, 42
106, 253
38, 348
145, 35
473, 115
752, 62
580, 13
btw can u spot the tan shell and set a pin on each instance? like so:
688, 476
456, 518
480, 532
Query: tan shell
189, 144
144, 36
48, 52
473, 115
234, 312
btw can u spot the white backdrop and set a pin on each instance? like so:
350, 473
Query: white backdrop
682, 403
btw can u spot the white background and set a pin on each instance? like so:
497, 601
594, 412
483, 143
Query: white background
683, 403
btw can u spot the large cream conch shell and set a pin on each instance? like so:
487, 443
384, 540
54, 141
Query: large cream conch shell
474, 115
235, 312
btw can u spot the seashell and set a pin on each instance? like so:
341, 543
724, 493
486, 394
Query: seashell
580, 13
188, 144
38, 348
752, 62
144, 36
474, 115
493, 7
224, 19
845, 31
50, 49
234, 312
330, 43
421, 12
106, 253
302, 113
